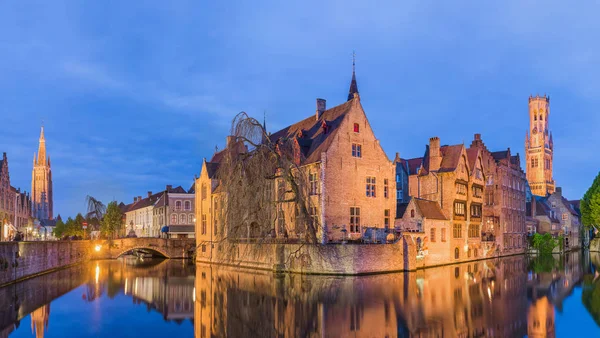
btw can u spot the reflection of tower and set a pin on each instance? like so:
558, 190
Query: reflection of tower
41, 183
540, 319
39, 321
539, 147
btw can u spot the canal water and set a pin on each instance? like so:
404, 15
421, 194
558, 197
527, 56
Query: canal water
508, 297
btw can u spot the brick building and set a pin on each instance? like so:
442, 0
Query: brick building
455, 180
539, 147
504, 203
352, 181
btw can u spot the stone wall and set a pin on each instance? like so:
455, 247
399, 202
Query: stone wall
343, 259
20, 260
595, 245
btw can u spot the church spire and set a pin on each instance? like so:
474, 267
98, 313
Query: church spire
353, 86
41, 155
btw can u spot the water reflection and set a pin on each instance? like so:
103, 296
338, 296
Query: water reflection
510, 297
163, 286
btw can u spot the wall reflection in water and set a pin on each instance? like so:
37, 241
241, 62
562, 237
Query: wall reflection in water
510, 297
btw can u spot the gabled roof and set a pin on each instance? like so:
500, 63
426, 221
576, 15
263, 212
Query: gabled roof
211, 168
192, 189
429, 209
472, 157
414, 164
576, 204
177, 190
450, 157
146, 202
314, 136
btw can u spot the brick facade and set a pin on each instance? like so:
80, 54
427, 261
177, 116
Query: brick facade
539, 147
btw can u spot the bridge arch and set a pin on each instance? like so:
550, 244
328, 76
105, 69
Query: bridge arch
142, 247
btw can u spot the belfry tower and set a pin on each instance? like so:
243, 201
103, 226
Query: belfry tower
539, 147
41, 183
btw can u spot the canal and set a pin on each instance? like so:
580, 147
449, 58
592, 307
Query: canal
508, 297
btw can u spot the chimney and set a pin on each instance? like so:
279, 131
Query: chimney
134, 199
320, 108
169, 187
397, 158
139, 198
435, 157
149, 193
558, 191
230, 140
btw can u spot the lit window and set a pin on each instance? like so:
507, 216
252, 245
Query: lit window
457, 231
354, 219
432, 234
173, 219
312, 178
459, 208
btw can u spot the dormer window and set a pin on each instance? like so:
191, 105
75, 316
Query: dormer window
356, 128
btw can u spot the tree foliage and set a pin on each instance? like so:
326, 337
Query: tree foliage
261, 181
111, 223
59, 229
590, 205
544, 243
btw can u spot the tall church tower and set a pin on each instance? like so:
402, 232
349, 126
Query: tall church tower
539, 148
41, 183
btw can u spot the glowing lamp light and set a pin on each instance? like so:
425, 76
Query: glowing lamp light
98, 247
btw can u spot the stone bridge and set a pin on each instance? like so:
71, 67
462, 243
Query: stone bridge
169, 248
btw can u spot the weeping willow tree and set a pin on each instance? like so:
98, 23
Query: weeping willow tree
265, 195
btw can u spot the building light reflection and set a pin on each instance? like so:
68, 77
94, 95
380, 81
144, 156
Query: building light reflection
97, 273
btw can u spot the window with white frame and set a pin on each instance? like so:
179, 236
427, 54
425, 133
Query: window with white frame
188, 205
178, 205
370, 187
354, 220
356, 150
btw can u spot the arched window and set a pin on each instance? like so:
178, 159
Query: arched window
535, 117
475, 252
191, 219
541, 117
412, 213
173, 219
178, 205
455, 253
182, 219
456, 272
188, 205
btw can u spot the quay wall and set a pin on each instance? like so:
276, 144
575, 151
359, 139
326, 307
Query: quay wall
20, 260
336, 259
595, 245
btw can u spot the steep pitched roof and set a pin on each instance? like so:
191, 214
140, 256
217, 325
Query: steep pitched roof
146, 202
472, 156
500, 155
314, 136
450, 157
429, 209
211, 168
414, 164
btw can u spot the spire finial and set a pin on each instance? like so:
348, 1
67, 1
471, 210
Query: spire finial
353, 86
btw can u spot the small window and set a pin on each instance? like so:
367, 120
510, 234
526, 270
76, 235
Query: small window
178, 205
370, 186
565, 216
188, 205
456, 253
412, 213
385, 188
173, 219
386, 218
432, 234
443, 234
356, 150
356, 128
190, 219
182, 219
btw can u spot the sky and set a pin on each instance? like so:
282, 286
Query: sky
134, 95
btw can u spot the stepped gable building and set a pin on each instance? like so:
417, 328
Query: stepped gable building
450, 177
351, 177
539, 147
41, 183
504, 202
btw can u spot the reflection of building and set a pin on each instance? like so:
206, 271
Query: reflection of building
39, 321
41, 183
540, 319
483, 298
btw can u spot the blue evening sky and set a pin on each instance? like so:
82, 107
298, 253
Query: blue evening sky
134, 95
